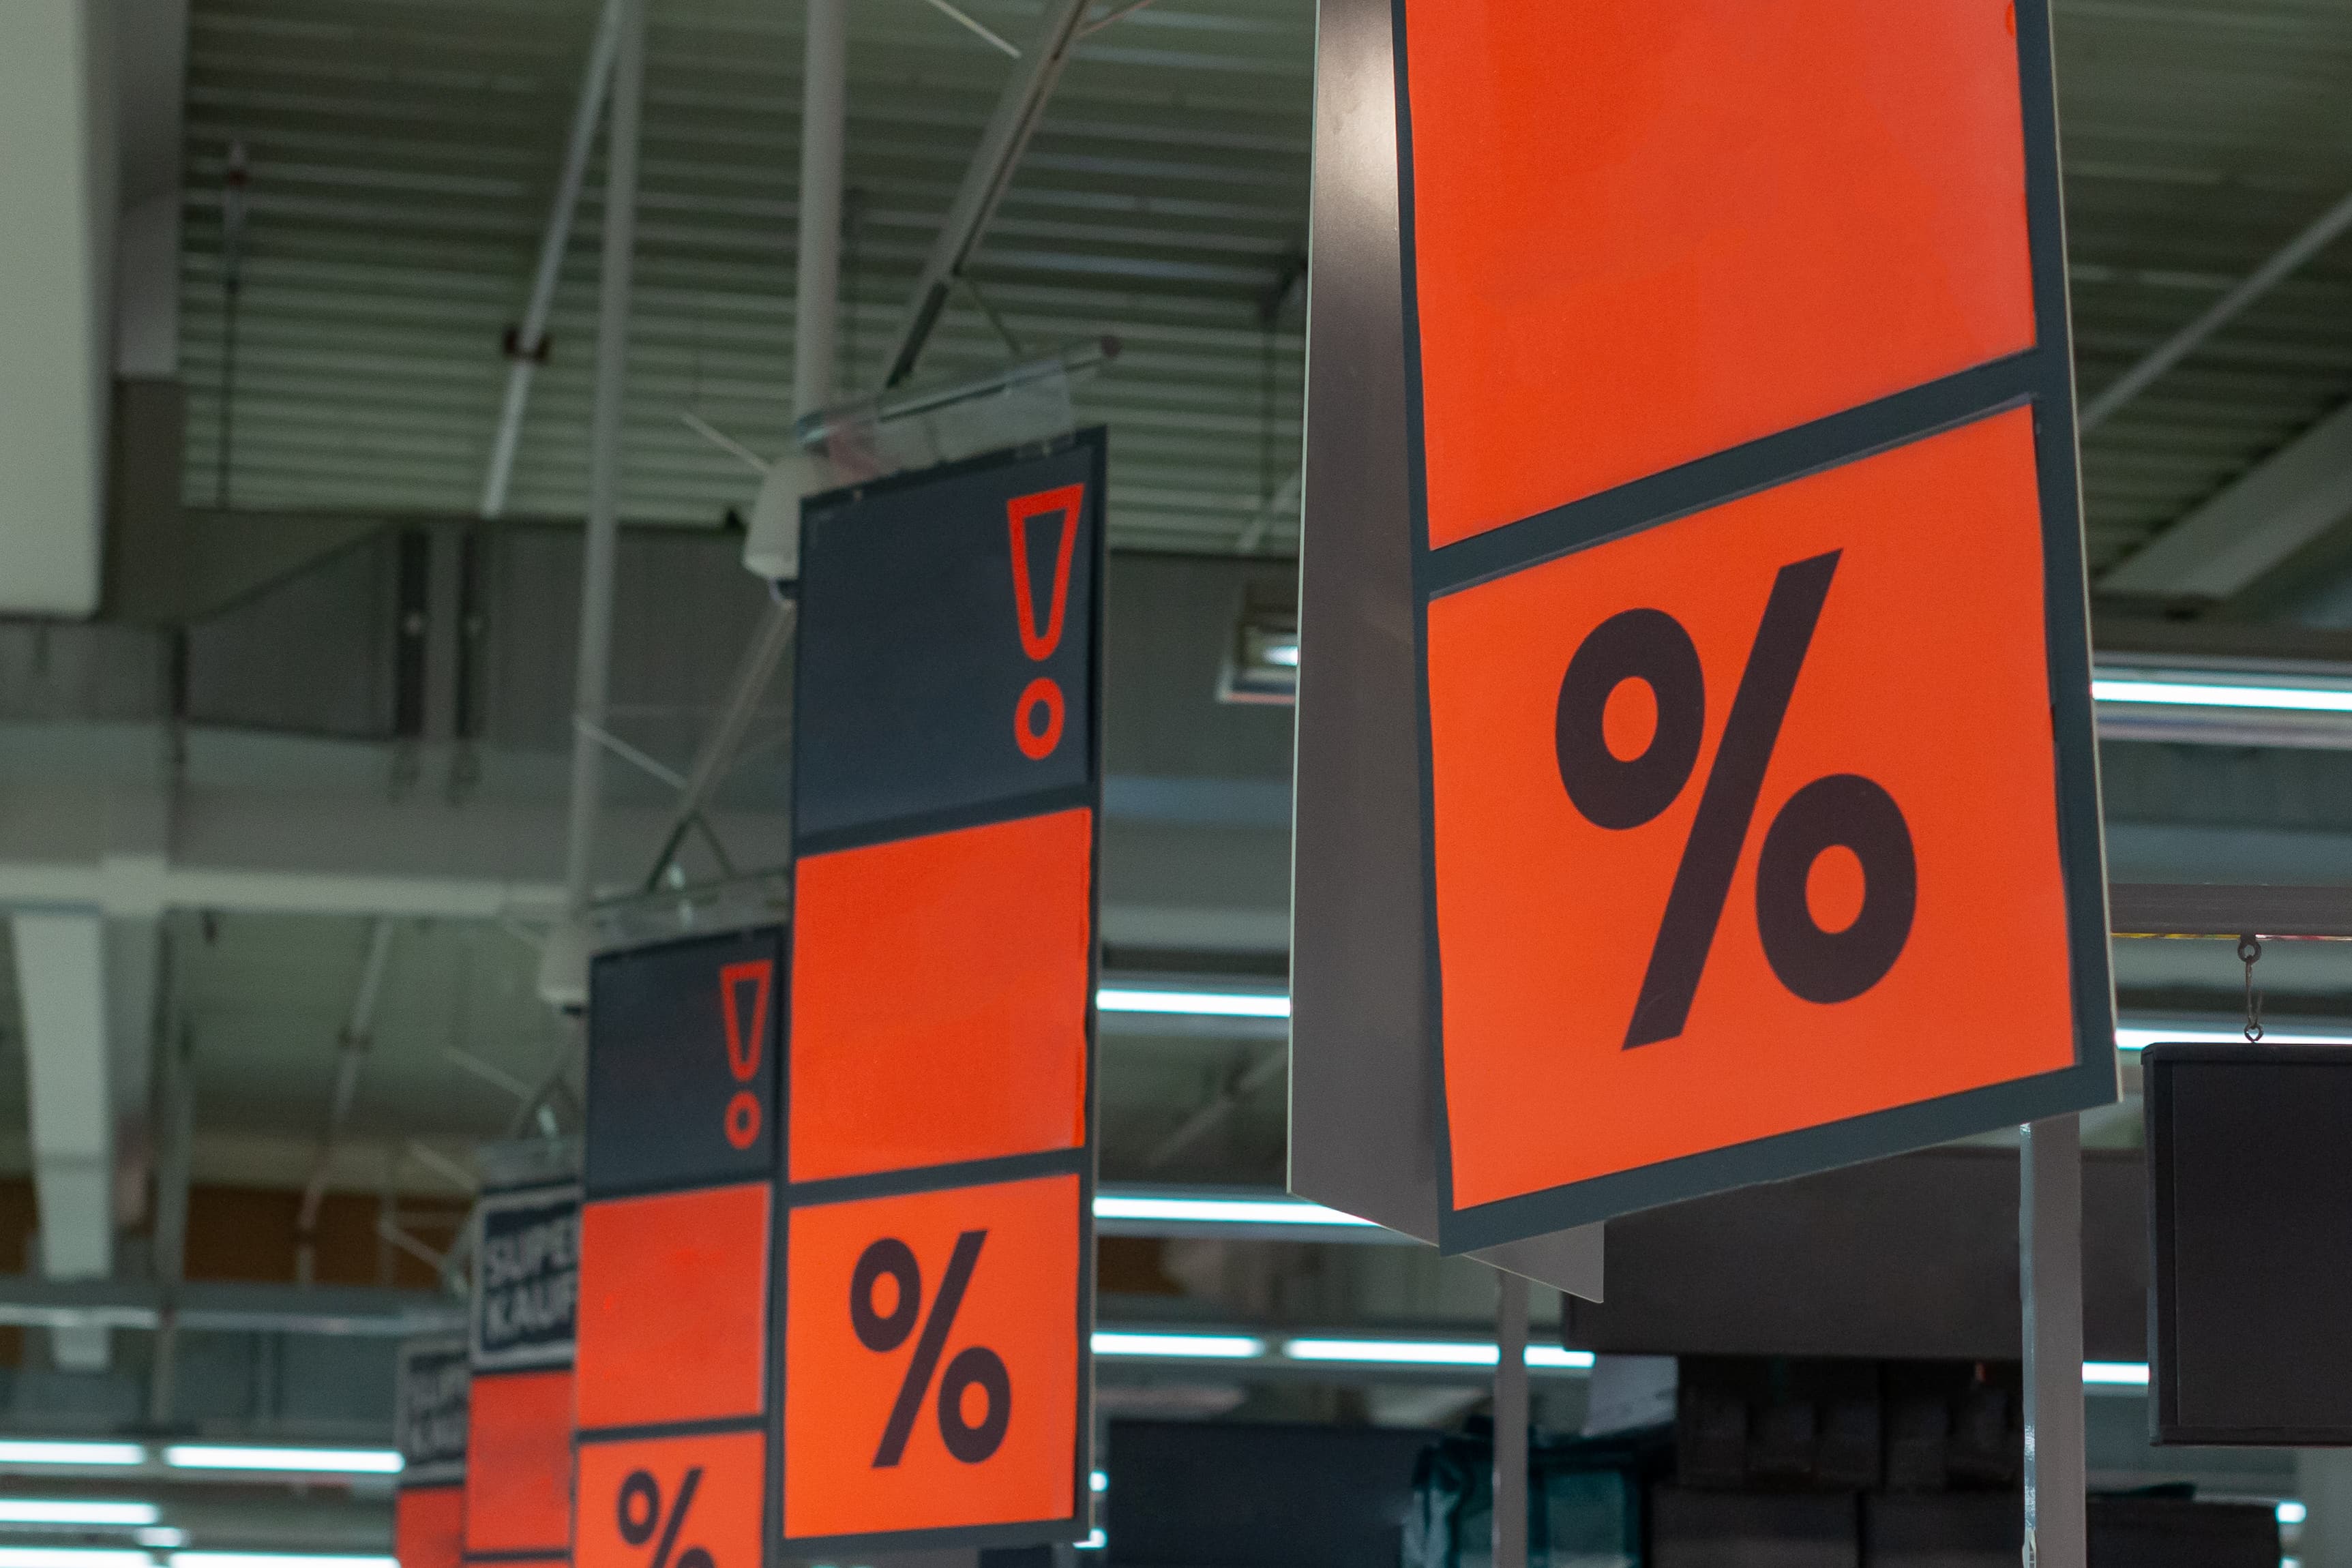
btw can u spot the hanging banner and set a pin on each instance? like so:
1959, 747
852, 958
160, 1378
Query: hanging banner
1754, 807
429, 1391
858, 1154
937, 1261
675, 1314
518, 1438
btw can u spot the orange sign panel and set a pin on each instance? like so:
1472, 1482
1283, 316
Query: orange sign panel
980, 941
941, 1336
1743, 822
693, 1347
429, 1526
518, 1464
1645, 233
691, 1501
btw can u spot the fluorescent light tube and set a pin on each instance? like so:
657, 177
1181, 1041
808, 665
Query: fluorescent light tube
1097, 1481
2140, 1036
1180, 1347
354, 1461
2115, 1375
1283, 653
1193, 1004
1223, 1211
20, 1452
2292, 1512
1554, 1356
160, 1535
1095, 1542
1399, 1352
2274, 697
73, 1557
75, 1511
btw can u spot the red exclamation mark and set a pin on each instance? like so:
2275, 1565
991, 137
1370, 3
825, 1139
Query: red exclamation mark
1038, 641
746, 1039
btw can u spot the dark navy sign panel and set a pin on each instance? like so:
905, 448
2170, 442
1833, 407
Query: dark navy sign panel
527, 1293
429, 1411
683, 1046
997, 560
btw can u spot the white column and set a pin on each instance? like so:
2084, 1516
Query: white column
61, 981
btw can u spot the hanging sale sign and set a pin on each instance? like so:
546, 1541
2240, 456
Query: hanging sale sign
858, 1154
1755, 822
937, 1262
679, 1170
519, 1346
429, 1391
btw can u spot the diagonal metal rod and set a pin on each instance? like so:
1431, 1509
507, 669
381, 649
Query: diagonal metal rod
1282, 503
524, 360
1120, 14
753, 674
359, 1031
2181, 344
958, 14
1209, 1117
986, 179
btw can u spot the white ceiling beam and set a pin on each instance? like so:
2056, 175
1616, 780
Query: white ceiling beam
2283, 503
58, 184
61, 982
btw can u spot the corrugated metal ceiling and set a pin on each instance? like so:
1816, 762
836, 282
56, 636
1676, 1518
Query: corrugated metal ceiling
403, 151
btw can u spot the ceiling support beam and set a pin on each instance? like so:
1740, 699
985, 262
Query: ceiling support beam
563, 976
2181, 344
986, 180
528, 349
2282, 504
61, 977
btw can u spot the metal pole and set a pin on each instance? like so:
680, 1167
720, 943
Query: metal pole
358, 1031
175, 1136
2049, 1269
824, 77
605, 456
985, 180
526, 351
1511, 1423
2181, 344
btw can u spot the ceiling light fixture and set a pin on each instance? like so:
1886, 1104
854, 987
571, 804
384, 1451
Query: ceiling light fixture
75, 1511
2140, 1036
2115, 1375
1193, 1004
1245, 1211
336, 1461
2169, 690
1394, 1352
19, 1452
1261, 662
1179, 1346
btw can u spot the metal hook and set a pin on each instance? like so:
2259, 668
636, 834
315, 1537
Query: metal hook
2250, 953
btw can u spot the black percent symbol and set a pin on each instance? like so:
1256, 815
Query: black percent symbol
1842, 810
640, 1512
974, 1366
